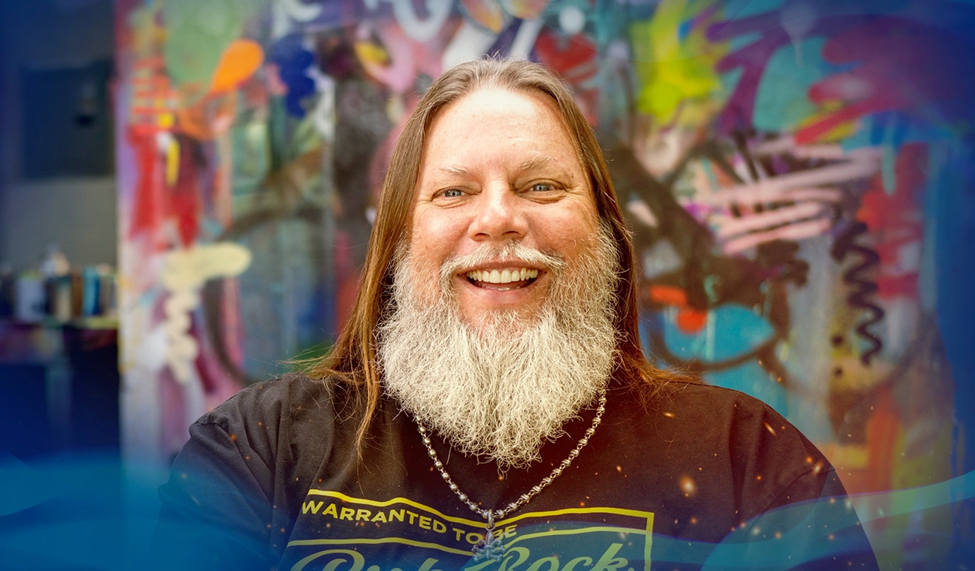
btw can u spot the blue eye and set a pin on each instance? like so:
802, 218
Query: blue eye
452, 193
541, 187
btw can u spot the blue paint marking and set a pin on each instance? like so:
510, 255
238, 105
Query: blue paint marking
684, 29
751, 379
731, 331
782, 102
293, 61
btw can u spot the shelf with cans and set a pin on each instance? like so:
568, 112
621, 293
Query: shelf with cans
59, 379
55, 293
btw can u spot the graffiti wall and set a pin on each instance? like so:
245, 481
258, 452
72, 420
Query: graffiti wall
798, 176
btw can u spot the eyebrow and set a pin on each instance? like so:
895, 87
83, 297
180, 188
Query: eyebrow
536, 161
454, 170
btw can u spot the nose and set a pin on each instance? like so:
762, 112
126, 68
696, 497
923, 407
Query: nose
498, 215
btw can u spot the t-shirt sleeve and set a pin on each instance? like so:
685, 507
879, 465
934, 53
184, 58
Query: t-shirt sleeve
798, 514
217, 507
214, 514
823, 532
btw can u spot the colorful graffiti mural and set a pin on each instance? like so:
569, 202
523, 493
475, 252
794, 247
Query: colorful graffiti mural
798, 175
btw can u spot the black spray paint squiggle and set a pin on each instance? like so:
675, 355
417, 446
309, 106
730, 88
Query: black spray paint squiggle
862, 286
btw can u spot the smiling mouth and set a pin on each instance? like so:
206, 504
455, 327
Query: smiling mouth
502, 280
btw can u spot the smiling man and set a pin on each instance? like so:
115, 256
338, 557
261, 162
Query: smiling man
488, 405
523, 303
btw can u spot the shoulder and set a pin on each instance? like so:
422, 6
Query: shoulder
697, 391
273, 403
267, 420
278, 395
745, 420
262, 436
696, 400
235, 475
767, 457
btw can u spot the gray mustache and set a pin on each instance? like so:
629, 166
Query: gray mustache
509, 252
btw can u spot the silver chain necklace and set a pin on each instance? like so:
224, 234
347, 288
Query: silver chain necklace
491, 547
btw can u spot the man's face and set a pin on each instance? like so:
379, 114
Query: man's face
498, 167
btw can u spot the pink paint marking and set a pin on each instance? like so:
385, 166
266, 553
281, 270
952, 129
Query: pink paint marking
862, 163
729, 226
798, 231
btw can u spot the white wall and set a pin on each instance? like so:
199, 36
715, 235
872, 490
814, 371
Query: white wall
76, 214
79, 214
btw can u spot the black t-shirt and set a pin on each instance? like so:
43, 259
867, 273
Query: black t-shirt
689, 476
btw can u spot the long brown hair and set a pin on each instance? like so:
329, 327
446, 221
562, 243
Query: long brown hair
352, 360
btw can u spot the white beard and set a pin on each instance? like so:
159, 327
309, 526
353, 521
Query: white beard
501, 389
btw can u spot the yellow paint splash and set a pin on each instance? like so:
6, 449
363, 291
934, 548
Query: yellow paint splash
676, 75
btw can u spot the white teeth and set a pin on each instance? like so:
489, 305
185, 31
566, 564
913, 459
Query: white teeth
505, 276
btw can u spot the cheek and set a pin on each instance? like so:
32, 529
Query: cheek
435, 236
423, 257
428, 249
570, 233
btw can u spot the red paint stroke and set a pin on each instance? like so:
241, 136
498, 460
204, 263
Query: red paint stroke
894, 219
882, 432
668, 295
904, 285
150, 207
900, 65
814, 131
185, 196
753, 58
689, 320
217, 385
576, 60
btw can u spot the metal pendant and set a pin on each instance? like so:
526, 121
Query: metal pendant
490, 547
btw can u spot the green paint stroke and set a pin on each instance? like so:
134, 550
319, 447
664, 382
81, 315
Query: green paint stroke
197, 33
